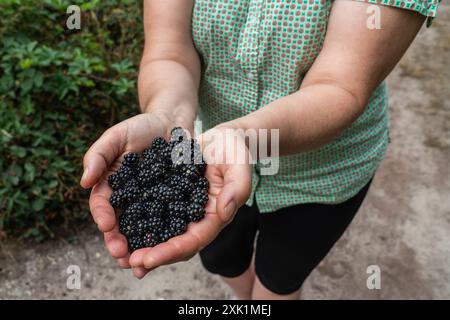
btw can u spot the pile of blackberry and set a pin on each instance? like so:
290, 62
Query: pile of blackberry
160, 190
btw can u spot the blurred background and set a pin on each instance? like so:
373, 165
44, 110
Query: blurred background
60, 89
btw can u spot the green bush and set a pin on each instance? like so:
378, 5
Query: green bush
59, 90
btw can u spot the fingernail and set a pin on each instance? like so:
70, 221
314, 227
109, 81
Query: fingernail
85, 173
230, 208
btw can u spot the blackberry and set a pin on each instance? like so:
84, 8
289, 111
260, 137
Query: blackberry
158, 145
131, 191
124, 174
201, 166
127, 225
177, 226
165, 194
135, 243
153, 208
114, 181
150, 239
141, 226
135, 210
165, 234
117, 199
199, 196
202, 183
178, 134
177, 209
166, 157
181, 154
155, 224
131, 159
189, 171
195, 212
181, 184
156, 170
146, 194
149, 155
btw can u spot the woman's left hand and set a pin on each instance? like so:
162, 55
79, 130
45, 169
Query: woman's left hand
229, 188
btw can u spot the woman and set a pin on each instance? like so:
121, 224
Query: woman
312, 69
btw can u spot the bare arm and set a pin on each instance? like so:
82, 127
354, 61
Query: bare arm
353, 62
170, 67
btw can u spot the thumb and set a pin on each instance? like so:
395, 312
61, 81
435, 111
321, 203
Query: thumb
102, 154
236, 190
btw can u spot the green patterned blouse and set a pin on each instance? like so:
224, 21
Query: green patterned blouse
256, 51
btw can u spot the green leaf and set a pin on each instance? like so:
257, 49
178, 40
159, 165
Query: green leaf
53, 184
20, 152
38, 204
30, 172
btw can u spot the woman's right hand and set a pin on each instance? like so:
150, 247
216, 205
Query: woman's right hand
104, 157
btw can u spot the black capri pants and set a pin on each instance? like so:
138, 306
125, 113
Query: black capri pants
290, 243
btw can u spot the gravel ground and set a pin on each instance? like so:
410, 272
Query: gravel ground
403, 226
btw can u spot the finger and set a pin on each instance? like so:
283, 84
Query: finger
101, 210
236, 190
124, 263
137, 257
116, 243
185, 246
140, 272
102, 154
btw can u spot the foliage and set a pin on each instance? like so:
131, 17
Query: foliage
59, 89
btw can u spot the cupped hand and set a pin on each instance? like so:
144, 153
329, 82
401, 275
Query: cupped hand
103, 158
229, 188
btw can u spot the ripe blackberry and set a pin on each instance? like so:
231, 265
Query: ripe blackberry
135, 243
153, 208
155, 224
177, 226
114, 181
158, 145
202, 183
135, 210
181, 154
149, 155
165, 194
146, 194
150, 239
181, 184
200, 166
141, 226
117, 199
124, 174
131, 159
199, 196
131, 191
152, 173
177, 209
195, 212
165, 234
188, 171
178, 134
127, 225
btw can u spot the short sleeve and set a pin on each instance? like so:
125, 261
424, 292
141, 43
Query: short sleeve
427, 8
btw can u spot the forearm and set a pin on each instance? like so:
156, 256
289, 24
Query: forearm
307, 119
170, 68
168, 87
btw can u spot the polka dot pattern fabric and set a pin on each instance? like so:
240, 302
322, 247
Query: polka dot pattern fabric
256, 51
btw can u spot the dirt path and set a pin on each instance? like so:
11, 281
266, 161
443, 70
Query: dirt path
403, 226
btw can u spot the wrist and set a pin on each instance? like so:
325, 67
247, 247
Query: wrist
179, 115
